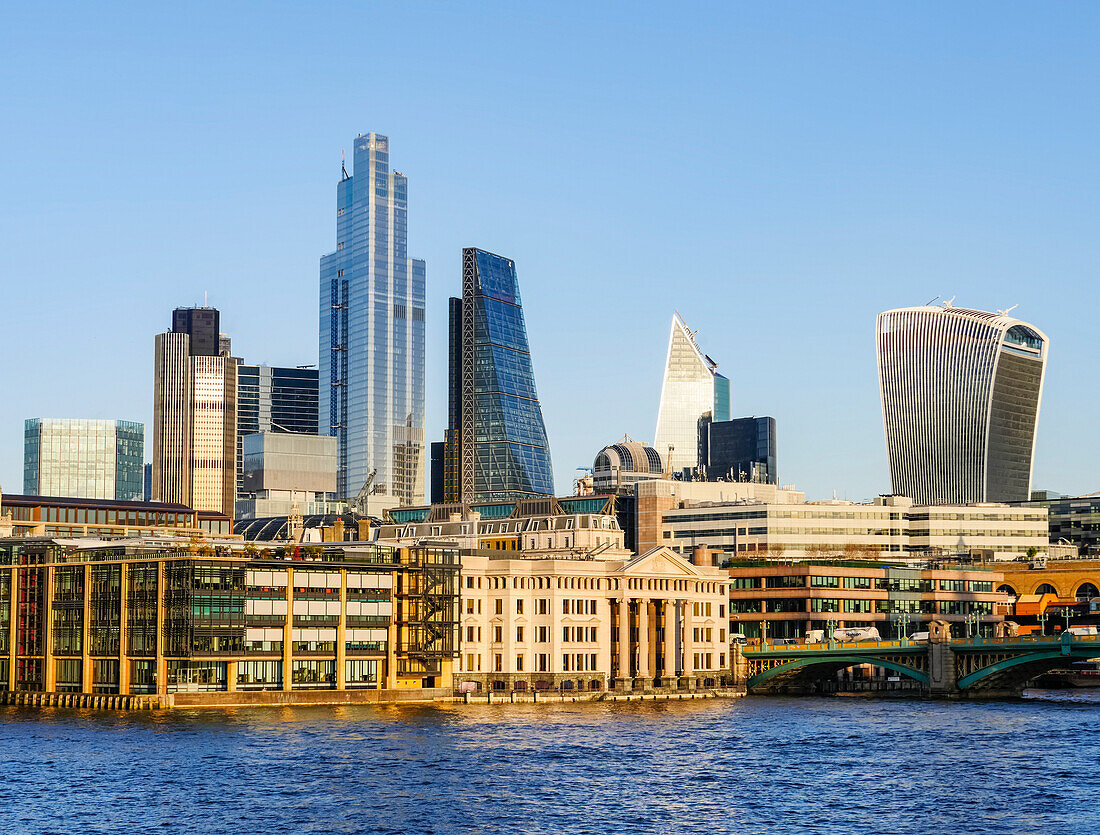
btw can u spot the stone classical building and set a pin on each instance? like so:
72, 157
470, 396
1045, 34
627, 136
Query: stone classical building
632, 623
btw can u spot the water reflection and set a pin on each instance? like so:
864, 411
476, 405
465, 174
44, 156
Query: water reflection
754, 765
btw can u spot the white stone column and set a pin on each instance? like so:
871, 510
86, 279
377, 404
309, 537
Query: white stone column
643, 641
623, 681
668, 676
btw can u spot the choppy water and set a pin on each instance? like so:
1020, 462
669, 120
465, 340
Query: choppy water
752, 765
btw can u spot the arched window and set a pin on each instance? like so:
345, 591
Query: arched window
1046, 588
1086, 592
1007, 589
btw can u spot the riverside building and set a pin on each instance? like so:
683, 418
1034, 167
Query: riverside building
221, 622
84, 459
787, 600
551, 599
960, 403
371, 358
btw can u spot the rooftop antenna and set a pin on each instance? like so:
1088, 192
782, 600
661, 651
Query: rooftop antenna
343, 169
930, 302
1006, 312
950, 302
204, 304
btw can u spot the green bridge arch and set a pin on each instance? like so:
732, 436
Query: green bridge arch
832, 663
1049, 660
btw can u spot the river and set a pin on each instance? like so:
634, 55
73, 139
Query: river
751, 765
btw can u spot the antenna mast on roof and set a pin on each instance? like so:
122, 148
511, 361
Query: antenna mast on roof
343, 169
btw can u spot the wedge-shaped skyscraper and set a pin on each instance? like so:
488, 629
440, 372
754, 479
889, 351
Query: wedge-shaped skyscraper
496, 447
691, 390
960, 403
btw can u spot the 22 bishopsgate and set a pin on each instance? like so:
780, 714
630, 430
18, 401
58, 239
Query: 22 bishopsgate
371, 351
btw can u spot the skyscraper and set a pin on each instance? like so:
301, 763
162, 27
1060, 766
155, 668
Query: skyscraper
83, 459
960, 403
371, 357
692, 388
496, 440
194, 414
273, 399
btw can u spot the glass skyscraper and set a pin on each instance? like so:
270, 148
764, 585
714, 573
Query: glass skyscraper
496, 440
960, 403
83, 459
371, 353
691, 390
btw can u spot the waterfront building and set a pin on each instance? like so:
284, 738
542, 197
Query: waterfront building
195, 414
274, 399
496, 439
284, 471
622, 464
890, 527
788, 599
437, 453
692, 389
221, 621
960, 402
653, 498
631, 623
73, 517
86, 459
371, 358
743, 449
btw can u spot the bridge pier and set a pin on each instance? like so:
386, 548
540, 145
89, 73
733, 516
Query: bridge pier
941, 671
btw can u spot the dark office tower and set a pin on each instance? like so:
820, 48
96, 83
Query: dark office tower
496, 433
436, 452
202, 325
739, 450
371, 358
274, 400
452, 480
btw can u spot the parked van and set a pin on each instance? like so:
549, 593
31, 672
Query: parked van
815, 636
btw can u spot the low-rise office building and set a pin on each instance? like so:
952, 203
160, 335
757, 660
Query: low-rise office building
1073, 519
632, 623
787, 600
890, 527
168, 616
564, 528
63, 516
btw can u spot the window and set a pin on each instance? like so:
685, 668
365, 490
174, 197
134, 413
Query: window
542, 607
500, 606
519, 634
858, 606
498, 634
952, 585
519, 607
820, 582
824, 604
981, 585
519, 663
469, 607
857, 582
470, 634
745, 583
786, 582
499, 663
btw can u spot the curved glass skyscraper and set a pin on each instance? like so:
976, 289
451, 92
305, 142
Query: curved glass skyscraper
960, 403
691, 390
496, 447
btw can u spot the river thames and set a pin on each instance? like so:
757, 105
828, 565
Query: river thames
749, 765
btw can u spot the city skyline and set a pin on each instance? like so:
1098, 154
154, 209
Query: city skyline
789, 250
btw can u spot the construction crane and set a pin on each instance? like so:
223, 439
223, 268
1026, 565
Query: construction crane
358, 505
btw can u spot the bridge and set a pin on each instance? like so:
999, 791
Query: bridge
951, 668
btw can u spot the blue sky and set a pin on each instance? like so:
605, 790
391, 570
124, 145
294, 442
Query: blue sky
779, 173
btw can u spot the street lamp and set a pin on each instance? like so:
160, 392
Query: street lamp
972, 620
902, 624
763, 633
1042, 618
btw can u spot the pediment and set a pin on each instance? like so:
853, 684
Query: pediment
661, 561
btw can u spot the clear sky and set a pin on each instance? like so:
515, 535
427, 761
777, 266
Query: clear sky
777, 172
